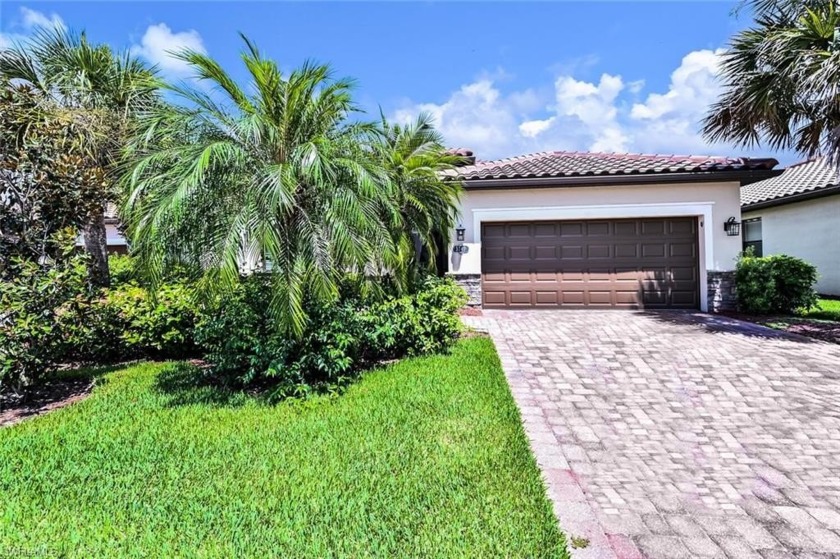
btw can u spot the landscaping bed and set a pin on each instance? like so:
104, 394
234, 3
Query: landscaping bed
822, 323
423, 458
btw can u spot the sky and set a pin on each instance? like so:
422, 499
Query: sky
500, 78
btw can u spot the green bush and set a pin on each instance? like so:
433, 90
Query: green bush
242, 342
33, 305
161, 326
778, 284
425, 322
51, 317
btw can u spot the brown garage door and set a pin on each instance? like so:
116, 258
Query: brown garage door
625, 263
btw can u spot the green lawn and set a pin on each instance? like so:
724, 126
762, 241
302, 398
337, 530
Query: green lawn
425, 458
829, 309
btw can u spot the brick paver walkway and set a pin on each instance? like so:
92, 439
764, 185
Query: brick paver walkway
678, 435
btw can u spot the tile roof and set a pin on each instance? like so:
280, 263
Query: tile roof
583, 164
808, 176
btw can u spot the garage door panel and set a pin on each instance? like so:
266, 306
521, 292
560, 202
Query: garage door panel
626, 228
549, 298
492, 253
632, 263
653, 250
626, 250
573, 252
598, 229
600, 298
571, 229
521, 298
492, 231
686, 227
545, 252
683, 250
598, 252
656, 227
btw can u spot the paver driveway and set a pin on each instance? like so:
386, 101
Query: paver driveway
679, 434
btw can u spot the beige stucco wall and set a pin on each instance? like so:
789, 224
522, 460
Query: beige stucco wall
712, 203
807, 230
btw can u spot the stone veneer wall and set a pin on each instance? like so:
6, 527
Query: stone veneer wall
472, 285
722, 294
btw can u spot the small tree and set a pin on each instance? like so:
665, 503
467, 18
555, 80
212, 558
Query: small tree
45, 187
99, 92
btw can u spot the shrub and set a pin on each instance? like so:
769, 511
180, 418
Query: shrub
244, 344
33, 305
775, 284
51, 317
161, 326
425, 322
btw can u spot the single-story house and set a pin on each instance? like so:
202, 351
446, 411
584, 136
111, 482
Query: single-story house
601, 230
797, 213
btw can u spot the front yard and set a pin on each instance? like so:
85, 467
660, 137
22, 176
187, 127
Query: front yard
424, 458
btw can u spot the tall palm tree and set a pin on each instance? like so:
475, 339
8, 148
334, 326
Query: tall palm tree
274, 175
100, 91
782, 80
414, 157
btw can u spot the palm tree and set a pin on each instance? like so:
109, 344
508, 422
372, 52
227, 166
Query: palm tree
274, 176
100, 91
414, 158
782, 80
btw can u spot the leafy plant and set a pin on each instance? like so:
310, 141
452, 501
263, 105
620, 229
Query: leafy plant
775, 284
32, 306
244, 343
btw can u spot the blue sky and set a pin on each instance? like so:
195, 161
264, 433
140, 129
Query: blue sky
502, 78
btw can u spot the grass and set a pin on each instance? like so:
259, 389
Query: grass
424, 458
827, 309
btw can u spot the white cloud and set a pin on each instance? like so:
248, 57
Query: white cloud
609, 114
26, 22
159, 42
32, 19
693, 87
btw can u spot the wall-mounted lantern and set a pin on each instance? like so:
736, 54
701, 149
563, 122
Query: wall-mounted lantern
459, 233
732, 227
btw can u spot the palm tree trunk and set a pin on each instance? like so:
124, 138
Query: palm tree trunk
96, 245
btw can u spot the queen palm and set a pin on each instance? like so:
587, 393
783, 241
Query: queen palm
782, 80
100, 92
276, 175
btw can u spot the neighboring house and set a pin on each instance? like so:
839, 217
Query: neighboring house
115, 240
601, 230
797, 213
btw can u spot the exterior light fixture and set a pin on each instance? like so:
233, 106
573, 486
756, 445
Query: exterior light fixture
732, 227
459, 233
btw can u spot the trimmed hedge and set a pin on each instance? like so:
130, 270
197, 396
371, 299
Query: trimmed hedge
778, 284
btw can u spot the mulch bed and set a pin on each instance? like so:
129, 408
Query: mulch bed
825, 330
43, 398
470, 311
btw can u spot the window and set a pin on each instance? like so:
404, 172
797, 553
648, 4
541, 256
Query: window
752, 235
